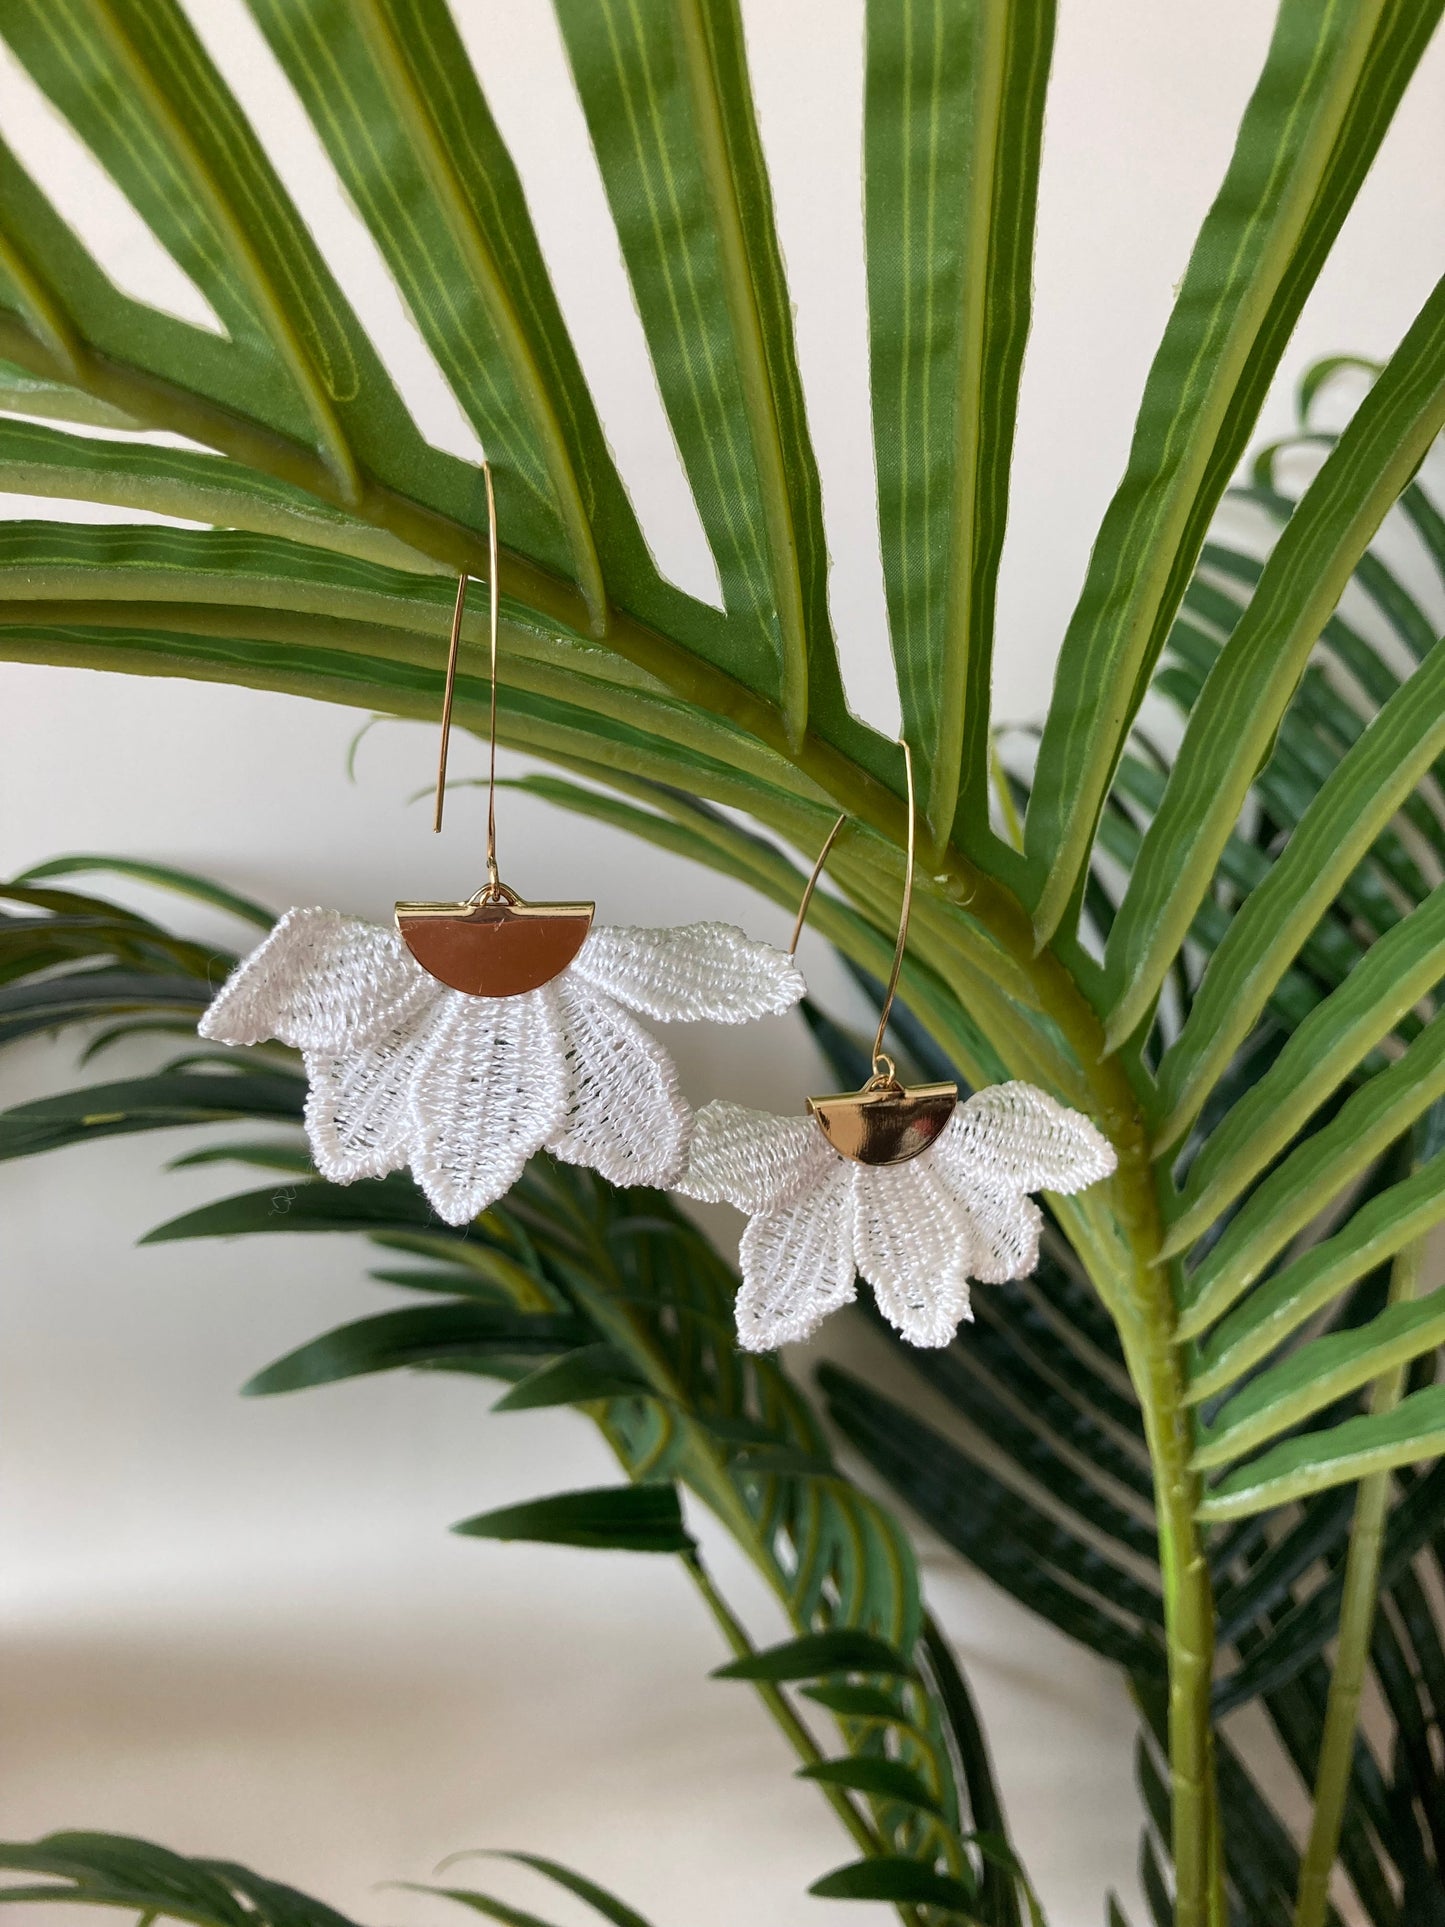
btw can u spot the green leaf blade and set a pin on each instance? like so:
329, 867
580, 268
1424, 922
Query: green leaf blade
1319, 1372
814, 1655
448, 1335
1279, 1305
1236, 718
1313, 1174
1394, 975
890, 1877
1355, 1449
1330, 83
626, 1518
953, 117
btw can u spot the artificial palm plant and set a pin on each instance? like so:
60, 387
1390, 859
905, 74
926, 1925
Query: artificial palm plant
1216, 1400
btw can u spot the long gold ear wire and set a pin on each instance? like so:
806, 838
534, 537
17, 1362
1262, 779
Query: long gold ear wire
879, 1056
883, 1065
494, 944
453, 650
884, 1123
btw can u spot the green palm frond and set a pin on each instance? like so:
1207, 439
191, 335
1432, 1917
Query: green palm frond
1218, 1397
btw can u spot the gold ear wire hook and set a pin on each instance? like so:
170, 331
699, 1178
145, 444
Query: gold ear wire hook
880, 1058
903, 916
453, 649
812, 883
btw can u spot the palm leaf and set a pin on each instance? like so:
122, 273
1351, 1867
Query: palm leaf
1261, 1035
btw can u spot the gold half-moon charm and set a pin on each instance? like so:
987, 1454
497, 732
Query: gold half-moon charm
885, 1123
495, 945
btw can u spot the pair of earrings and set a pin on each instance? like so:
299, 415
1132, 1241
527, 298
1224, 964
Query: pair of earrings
472, 1035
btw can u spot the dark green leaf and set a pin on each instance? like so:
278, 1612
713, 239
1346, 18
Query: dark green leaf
815, 1655
431, 1335
591, 1372
182, 882
630, 1518
908, 1881
876, 1775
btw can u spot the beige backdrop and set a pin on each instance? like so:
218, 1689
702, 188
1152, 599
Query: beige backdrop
242, 1627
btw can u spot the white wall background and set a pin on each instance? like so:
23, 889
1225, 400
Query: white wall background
243, 1628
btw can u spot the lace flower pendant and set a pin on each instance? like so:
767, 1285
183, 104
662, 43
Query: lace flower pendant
465, 1088
917, 1230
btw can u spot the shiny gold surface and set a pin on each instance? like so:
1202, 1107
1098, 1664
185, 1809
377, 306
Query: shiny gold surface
496, 945
885, 1122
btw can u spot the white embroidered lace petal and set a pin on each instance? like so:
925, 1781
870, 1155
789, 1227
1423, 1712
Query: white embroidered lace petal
797, 1263
912, 1241
751, 1159
694, 972
358, 1115
1019, 1138
1006, 1229
623, 1113
320, 982
492, 1086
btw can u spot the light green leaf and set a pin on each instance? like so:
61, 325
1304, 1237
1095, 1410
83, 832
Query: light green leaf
1235, 720
667, 101
186, 482
1355, 1449
1314, 1173
1316, 1374
1399, 970
1375, 1233
136, 84
1331, 80
443, 201
953, 116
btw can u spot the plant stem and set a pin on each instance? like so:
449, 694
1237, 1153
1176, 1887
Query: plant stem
1156, 1368
790, 1721
1357, 1619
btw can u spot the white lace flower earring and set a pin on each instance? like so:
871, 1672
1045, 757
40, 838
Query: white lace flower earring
909, 1187
473, 1034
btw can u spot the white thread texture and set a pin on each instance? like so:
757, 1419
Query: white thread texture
492, 1086
624, 1115
751, 1159
1026, 1140
797, 1263
358, 1117
912, 1242
319, 982
463, 1089
917, 1231
694, 972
